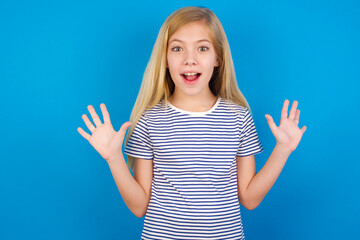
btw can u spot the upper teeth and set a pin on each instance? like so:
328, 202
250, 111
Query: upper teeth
189, 74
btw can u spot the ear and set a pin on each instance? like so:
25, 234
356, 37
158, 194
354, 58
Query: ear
216, 63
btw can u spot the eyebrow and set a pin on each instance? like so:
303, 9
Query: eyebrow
201, 40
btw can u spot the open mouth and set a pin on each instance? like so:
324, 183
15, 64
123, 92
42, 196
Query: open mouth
191, 77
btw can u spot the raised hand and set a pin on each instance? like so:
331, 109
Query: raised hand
288, 134
104, 138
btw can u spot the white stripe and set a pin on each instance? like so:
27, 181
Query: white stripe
194, 188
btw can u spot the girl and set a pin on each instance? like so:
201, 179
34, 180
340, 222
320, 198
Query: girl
193, 141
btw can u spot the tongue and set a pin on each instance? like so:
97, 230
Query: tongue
191, 77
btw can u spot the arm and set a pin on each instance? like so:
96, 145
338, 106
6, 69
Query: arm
136, 190
253, 187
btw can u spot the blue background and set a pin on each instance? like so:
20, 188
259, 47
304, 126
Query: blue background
58, 57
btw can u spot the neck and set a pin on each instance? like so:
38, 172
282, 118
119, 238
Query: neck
193, 103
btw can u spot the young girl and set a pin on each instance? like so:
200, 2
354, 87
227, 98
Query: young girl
193, 141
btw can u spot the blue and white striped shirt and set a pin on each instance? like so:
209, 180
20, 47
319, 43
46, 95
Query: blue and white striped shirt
194, 189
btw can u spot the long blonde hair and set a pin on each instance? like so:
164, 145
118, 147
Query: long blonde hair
157, 84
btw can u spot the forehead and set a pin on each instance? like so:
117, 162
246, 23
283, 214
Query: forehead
191, 33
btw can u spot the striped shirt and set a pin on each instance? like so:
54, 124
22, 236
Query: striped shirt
194, 191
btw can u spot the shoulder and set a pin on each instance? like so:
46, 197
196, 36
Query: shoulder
155, 111
231, 106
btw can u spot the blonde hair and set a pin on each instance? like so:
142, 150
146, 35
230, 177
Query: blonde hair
157, 84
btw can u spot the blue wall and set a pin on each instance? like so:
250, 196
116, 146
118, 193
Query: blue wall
59, 57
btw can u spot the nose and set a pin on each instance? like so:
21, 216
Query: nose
190, 62
190, 58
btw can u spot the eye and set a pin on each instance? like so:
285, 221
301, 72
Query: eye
206, 48
175, 49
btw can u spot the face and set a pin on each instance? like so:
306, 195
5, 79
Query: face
190, 50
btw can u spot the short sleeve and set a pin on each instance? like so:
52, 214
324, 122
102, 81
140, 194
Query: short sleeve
249, 140
139, 144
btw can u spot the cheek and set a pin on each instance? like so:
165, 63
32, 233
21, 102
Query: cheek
172, 63
172, 67
207, 60
210, 64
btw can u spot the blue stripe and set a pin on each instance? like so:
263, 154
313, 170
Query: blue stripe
194, 188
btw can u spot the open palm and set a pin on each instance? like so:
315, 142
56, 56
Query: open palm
288, 134
104, 138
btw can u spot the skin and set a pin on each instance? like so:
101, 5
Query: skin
136, 190
252, 186
104, 138
188, 54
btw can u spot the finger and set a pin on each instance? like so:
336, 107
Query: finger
105, 113
285, 109
83, 133
88, 123
297, 116
303, 129
94, 116
271, 123
119, 137
124, 127
293, 110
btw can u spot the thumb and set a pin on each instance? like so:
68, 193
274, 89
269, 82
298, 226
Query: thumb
271, 123
119, 136
123, 129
